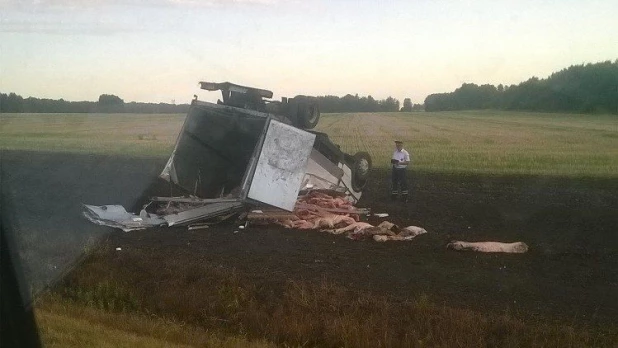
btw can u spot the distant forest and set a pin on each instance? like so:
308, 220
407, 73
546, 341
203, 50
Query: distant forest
590, 88
354, 103
107, 103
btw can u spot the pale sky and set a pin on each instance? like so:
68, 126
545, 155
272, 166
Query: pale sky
157, 51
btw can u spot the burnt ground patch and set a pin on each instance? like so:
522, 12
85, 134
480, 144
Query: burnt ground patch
570, 224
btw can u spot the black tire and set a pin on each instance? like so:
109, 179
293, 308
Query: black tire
308, 114
360, 170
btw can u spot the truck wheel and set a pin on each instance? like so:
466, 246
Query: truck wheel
360, 170
308, 114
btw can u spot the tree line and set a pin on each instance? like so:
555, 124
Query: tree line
590, 88
107, 103
354, 103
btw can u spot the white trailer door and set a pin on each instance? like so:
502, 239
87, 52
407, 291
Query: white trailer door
281, 165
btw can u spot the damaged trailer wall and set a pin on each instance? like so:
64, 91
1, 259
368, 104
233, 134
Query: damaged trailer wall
224, 151
213, 150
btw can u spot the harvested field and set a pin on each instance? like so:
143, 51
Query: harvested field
486, 142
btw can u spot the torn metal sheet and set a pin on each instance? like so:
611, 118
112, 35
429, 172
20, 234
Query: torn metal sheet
192, 200
346, 181
116, 216
321, 173
198, 226
169, 172
205, 212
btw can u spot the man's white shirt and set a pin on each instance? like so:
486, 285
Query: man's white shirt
402, 155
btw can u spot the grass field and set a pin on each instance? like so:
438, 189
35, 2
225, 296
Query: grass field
485, 141
454, 142
64, 323
116, 134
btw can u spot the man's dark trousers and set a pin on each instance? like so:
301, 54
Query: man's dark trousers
400, 182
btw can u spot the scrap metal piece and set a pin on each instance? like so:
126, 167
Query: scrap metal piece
205, 212
322, 174
193, 200
198, 226
320, 167
116, 216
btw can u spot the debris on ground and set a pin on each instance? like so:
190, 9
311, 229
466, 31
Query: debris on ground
176, 211
322, 210
198, 226
116, 216
489, 247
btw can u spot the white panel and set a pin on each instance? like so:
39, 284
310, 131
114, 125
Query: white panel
281, 165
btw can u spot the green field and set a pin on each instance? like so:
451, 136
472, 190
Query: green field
457, 142
485, 141
64, 323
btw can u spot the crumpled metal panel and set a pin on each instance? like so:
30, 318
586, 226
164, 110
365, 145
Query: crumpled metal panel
281, 165
200, 213
116, 216
321, 173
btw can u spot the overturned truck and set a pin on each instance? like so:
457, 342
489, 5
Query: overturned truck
248, 150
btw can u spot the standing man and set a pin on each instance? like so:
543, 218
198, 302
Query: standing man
400, 161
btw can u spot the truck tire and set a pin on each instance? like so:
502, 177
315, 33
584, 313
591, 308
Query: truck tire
308, 114
360, 170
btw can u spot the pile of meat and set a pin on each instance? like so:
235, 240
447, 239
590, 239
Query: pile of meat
320, 211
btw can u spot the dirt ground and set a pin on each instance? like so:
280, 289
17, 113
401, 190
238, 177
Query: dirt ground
571, 226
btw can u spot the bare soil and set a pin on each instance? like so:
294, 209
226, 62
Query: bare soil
571, 225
